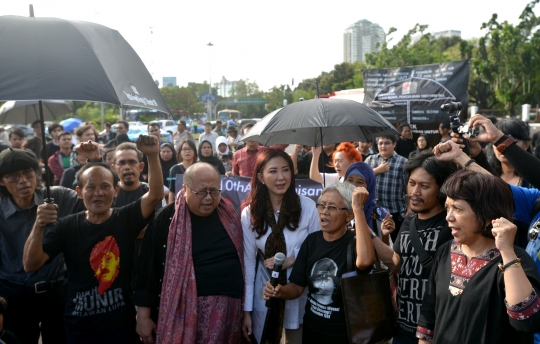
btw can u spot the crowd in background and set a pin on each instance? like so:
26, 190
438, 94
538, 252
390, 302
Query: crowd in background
434, 216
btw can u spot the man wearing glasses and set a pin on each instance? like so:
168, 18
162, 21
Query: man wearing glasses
98, 246
191, 263
388, 169
36, 304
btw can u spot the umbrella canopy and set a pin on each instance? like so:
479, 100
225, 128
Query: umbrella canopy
71, 123
51, 58
24, 112
317, 121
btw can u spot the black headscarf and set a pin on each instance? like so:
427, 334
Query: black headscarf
167, 165
211, 159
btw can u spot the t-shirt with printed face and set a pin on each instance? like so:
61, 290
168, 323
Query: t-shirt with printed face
413, 277
319, 266
99, 260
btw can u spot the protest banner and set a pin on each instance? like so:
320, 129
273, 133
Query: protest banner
236, 189
415, 94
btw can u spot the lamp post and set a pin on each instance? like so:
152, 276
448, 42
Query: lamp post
316, 84
210, 84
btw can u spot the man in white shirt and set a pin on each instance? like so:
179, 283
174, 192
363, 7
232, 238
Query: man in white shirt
209, 136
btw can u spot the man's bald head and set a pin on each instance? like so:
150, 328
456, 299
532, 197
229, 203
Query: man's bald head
195, 168
202, 180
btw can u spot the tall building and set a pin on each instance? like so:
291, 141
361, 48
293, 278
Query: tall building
361, 38
224, 87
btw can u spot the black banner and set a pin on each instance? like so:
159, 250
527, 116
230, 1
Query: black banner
415, 94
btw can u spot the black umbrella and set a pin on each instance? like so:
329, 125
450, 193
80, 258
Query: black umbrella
57, 59
315, 121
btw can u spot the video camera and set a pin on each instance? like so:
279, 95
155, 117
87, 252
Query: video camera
456, 126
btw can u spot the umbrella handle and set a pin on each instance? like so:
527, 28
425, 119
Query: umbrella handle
44, 154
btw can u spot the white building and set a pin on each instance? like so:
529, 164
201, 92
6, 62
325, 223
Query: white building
361, 38
224, 87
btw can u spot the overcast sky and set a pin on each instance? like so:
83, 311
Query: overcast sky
268, 42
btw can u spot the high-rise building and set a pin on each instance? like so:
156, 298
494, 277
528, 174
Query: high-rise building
224, 87
361, 38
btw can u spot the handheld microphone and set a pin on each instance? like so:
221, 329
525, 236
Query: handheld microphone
279, 259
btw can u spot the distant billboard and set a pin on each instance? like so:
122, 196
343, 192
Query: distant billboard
169, 81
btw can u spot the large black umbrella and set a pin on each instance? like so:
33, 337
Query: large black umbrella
50, 58
317, 121
27, 111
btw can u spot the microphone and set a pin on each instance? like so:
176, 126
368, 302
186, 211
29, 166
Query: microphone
279, 259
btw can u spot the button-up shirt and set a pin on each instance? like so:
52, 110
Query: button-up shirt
15, 227
244, 161
178, 138
390, 185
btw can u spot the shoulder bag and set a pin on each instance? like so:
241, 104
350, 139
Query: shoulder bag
367, 302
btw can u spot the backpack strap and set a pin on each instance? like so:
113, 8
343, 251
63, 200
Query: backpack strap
425, 259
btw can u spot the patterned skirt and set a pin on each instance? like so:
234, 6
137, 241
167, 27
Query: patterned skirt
219, 320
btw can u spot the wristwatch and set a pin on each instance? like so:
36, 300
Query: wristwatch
373, 235
504, 142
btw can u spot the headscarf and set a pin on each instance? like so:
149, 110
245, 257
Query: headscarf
220, 140
366, 171
121, 138
213, 160
167, 165
178, 306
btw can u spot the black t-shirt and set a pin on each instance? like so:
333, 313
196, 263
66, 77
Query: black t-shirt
126, 197
90, 250
404, 147
216, 262
319, 266
176, 169
413, 277
7, 337
324, 159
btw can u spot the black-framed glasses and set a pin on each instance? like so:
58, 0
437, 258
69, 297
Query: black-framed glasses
129, 162
202, 194
331, 208
15, 177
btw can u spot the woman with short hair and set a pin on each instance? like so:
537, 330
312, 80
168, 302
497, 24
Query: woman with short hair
322, 261
186, 156
482, 288
344, 155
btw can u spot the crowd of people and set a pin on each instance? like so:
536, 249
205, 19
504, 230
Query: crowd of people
119, 252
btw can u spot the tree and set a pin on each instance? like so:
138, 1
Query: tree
508, 59
181, 100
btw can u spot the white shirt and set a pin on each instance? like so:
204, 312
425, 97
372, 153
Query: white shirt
309, 223
210, 138
330, 178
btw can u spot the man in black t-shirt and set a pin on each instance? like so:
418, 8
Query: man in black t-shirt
425, 177
405, 143
98, 248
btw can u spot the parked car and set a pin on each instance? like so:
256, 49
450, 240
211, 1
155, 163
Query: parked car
28, 132
134, 132
245, 121
167, 125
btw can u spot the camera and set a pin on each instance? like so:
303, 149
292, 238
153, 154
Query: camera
455, 125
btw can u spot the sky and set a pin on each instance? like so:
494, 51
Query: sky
267, 42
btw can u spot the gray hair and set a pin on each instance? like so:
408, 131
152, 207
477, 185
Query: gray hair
344, 189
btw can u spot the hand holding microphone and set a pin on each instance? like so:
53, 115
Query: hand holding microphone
279, 259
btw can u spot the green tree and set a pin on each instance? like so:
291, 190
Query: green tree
181, 100
508, 59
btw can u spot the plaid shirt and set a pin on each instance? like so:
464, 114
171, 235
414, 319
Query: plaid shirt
390, 185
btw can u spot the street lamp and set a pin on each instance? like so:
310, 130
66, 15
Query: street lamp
210, 84
316, 84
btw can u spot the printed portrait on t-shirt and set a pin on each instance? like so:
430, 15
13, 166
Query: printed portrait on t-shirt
105, 261
323, 280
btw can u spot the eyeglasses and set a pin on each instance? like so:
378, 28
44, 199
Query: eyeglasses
202, 194
15, 177
331, 208
130, 162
